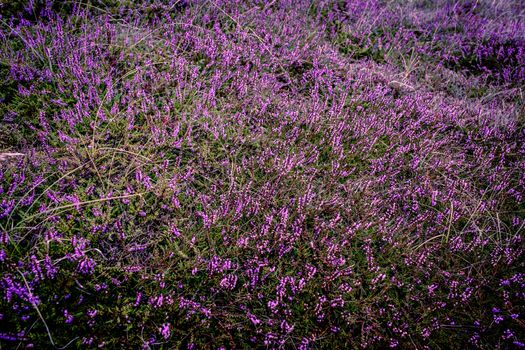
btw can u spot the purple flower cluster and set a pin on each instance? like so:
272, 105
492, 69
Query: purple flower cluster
245, 174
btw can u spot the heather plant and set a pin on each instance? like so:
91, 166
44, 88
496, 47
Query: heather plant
262, 174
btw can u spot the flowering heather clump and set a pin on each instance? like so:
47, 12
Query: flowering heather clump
217, 174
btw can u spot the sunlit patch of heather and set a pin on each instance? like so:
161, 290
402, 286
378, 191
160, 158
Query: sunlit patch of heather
246, 174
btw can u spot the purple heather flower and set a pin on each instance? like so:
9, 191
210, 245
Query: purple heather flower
165, 330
